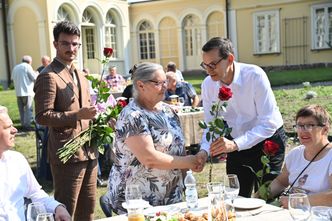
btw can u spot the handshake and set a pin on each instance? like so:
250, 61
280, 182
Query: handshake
197, 161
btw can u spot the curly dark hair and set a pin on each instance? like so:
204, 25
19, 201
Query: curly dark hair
66, 27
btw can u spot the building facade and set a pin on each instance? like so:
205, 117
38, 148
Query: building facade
264, 32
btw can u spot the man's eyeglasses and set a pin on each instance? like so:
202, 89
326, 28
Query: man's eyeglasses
212, 65
306, 127
159, 83
68, 44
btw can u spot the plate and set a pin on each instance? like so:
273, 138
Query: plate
136, 204
151, 211
247, 203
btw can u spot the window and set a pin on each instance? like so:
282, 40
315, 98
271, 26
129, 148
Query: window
322, 26
90, 46
111, 34
146, 41
266, 34
215, 25
192, 35
63, 14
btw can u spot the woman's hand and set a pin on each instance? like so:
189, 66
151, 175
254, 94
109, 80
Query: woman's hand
284, 201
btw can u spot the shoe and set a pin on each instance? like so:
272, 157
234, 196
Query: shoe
101, 182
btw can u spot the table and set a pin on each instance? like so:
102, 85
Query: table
190, 128
266, 212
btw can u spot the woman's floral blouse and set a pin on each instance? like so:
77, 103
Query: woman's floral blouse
159, 187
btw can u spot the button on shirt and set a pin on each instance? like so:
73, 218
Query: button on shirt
17, 181
24, 77
252, 112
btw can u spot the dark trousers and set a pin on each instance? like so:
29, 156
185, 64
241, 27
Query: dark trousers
238, 160
75, 185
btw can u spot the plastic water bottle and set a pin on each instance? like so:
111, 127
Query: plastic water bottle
191, 191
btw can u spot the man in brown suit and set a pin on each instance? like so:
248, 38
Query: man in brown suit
62, 101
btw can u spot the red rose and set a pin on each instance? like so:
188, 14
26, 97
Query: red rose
225, 93
122, 103
108, 52
270, 147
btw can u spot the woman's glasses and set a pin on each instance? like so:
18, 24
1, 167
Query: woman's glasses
159, 83
306, 127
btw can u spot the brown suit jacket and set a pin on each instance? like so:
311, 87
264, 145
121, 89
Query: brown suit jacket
57, 101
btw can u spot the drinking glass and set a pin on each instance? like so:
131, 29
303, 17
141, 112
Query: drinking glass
45, 217
181, 101
299, 206
133, 194
216, 210
34, 209
232, 186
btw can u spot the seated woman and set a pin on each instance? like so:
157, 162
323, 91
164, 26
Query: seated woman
312, 127
149, 145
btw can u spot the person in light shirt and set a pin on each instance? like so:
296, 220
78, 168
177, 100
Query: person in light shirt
17, 180
252, 113
312, 128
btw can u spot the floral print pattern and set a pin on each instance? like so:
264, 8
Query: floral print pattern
159, 187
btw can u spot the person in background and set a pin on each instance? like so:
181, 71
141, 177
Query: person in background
24, 78
149, 144
171, 66
128, 91
312, 127
62, 103
182, 89
114, 80
17, 180
45, 60
252, 113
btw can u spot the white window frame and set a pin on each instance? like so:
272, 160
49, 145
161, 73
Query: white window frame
146, 36
269, 37
316, 43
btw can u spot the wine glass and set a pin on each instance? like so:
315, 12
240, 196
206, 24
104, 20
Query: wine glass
232, 186
34, 209
45, 217
181, 101
299, 206
133, 194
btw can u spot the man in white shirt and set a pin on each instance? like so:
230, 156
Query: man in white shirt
17, 180
252, 113
24, 77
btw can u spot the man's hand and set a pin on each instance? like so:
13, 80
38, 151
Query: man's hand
61, 214
86, 113
201, 159
222, 145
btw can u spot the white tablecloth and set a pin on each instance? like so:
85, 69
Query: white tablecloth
266, 212
191, 131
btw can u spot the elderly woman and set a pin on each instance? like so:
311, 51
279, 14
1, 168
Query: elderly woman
312, 127
149, 145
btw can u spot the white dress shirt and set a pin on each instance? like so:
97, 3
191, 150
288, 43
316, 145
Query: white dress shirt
24, 77
17, 181
252, 112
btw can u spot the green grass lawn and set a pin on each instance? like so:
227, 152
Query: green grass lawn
289, 101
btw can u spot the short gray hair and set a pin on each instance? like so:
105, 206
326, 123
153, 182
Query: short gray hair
144, 72
3, 109
27, 59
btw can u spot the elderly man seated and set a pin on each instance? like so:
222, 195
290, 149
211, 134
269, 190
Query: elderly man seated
182, 89
17, 180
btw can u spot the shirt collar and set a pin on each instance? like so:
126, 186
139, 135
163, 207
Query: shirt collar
236, 78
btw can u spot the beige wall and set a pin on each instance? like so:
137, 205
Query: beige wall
3, 66
244, 10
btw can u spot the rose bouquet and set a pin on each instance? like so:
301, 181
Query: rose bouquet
270, 148
100, 131
216, 127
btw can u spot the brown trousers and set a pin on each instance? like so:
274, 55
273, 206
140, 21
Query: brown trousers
75, 186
